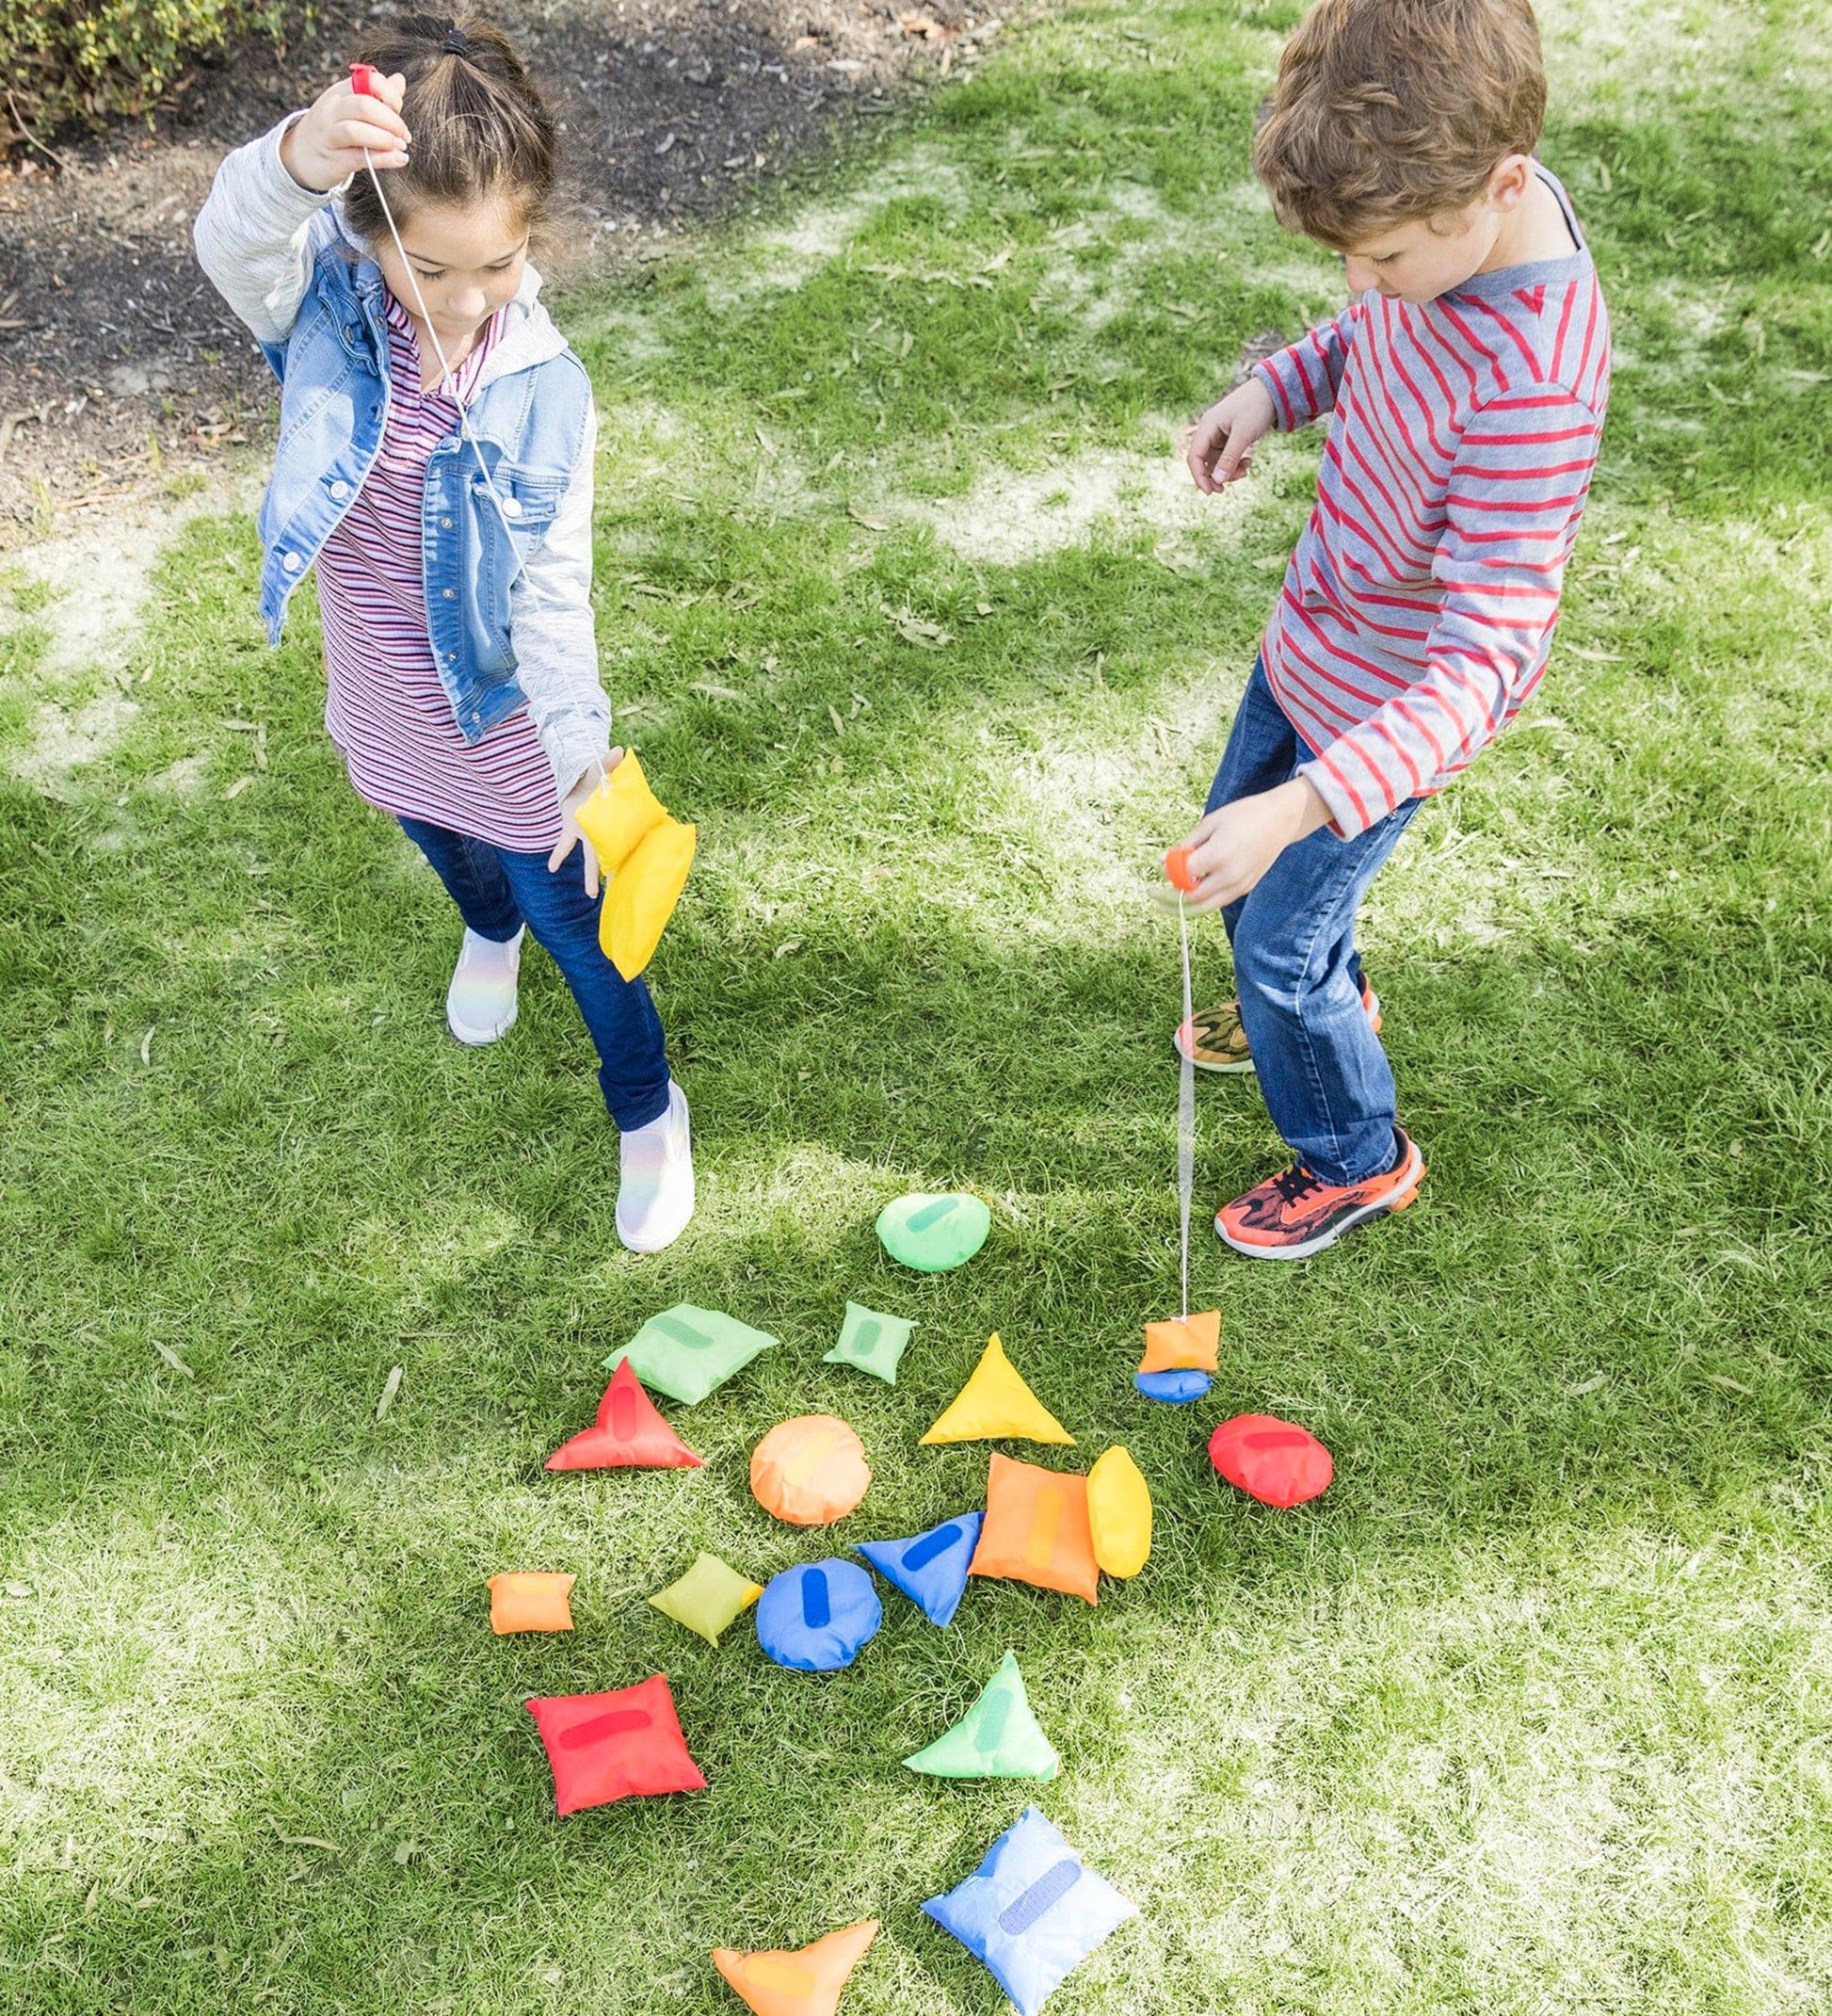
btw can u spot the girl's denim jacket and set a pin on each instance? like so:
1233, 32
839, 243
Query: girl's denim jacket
283, 258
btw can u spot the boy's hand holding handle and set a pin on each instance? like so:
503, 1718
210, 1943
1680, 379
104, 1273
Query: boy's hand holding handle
1233, 847
1221, 447
572, 833
320, 149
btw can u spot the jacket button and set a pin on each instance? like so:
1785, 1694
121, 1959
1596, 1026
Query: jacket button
339, 490
291, 563
511, 507
444, 524
450, 593
349, 332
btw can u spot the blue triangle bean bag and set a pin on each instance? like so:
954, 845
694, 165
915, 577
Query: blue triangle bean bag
815, 1616
1031, 1910
930, 1569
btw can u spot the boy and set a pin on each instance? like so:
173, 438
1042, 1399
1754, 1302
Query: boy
1468, 381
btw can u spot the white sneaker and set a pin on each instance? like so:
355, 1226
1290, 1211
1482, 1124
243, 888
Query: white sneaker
655, 1190
480, 1002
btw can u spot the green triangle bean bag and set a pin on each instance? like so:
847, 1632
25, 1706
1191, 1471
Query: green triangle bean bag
687, 1352
997, 1737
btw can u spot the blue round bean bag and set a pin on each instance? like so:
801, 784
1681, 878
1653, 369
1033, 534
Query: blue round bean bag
815, 1617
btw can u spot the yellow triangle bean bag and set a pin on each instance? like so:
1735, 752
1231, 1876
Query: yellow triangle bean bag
806, 1982
1120, 1513
995, 1405
644, 854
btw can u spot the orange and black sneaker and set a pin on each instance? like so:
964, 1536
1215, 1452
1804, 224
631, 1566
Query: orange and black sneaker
1293, 1216
1214, 1039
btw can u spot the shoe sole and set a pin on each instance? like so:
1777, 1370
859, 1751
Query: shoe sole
477, 1039
658, 1245
1383, 1207
1246, 1064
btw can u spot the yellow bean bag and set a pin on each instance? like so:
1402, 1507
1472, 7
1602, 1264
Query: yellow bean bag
1120, 1513
806, 1982
644, 854
530, 1603
995, 1405
1036, 1529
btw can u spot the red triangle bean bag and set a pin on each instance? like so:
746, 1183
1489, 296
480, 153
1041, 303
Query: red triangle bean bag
618, 1745
629, 1433
1276, 1461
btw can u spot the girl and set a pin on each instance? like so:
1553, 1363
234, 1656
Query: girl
435, 464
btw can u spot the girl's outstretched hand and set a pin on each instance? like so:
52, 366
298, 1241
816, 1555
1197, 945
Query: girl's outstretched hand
321, 149
1234, 846
571, 834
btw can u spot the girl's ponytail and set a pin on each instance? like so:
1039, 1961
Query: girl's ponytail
481, 130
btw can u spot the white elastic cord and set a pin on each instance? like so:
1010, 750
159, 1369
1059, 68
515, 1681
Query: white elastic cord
1186, 1105
448, 383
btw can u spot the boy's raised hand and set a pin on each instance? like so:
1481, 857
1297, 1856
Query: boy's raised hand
1234, 846
1221, 447
326, 145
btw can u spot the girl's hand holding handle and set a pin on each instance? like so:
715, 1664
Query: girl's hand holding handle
327, 144
570, 834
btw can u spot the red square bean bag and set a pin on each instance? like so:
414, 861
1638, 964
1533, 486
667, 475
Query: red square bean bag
618, 1745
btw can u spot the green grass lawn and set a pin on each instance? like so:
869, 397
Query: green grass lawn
905, 601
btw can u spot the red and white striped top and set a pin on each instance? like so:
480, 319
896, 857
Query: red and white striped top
1418, 610
384, 705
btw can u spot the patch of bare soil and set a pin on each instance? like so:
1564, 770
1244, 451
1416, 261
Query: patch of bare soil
120, 367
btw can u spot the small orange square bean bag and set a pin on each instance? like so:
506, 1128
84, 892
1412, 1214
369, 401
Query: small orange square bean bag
805, 1983
1187, 1345
1276, 1461
530, 1603
810, 1471
624, 1744
1036, 1529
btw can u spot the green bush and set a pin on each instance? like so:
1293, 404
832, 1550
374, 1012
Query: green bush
92, 59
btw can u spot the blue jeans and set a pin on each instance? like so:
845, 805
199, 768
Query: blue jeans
1327, 1081
498, 891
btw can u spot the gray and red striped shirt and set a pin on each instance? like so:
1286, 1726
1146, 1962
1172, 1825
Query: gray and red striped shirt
384, 705
1418, 607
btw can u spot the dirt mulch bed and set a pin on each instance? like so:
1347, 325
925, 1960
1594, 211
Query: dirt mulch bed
119, 364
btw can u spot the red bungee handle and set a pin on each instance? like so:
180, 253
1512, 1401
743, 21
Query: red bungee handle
1176, 868
364, 77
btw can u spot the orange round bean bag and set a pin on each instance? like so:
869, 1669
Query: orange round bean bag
1036, 1529
811, 1471
1276, 1461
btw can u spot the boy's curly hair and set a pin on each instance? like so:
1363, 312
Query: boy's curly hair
481, 129
1388, 110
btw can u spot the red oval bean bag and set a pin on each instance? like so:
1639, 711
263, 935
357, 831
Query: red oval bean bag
618, 1745
1276, 1461
629, 1433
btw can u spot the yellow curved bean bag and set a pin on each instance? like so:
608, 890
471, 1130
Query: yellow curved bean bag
644, 854
995, 1405
1120, 1513
805, 1983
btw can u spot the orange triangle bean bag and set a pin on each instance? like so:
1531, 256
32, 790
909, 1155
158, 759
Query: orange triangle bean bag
805, 1983
1187, 1345
624, 1744
996, 1405
629, 1433
811, 1471
530, 1603
1036, 1529
1276, 1461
